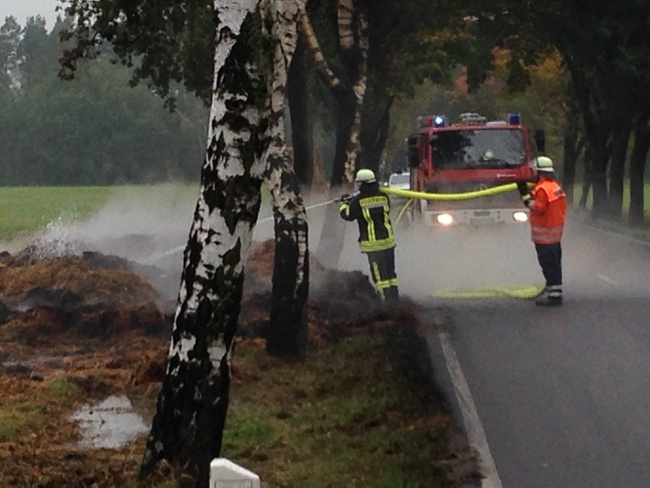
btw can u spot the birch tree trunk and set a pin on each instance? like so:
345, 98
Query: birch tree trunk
301, 119
192, 405
288, 323
376, 123
353, 39
357, 64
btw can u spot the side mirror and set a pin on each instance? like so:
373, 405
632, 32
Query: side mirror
540, 141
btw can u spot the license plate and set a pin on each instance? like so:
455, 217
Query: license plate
482, 221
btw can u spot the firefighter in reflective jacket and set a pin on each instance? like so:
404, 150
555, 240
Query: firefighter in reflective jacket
547, 205
371, 209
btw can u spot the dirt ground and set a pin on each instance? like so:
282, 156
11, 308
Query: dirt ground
80, 328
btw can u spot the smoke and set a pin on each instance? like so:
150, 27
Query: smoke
133, 225
465, 259
152, 228
431, 259
138, 223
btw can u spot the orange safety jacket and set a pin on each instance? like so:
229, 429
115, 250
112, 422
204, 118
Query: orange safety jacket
547, 211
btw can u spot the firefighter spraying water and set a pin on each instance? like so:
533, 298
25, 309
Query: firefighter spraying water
462, 175
370, 208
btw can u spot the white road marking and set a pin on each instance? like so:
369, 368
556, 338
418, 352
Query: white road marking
606, 279
473, 425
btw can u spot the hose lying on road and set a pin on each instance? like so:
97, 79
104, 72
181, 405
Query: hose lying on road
522, 292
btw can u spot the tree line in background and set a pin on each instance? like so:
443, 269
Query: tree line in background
586, 86
94, 130
601, 114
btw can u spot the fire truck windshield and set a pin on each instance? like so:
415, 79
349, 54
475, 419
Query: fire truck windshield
480, 148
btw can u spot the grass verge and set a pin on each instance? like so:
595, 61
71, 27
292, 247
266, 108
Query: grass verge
361, 413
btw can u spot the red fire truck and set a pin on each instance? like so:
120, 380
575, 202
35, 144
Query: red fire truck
473, 154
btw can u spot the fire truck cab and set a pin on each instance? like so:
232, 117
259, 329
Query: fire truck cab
473, 154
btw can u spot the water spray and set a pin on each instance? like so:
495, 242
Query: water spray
156, 257
521, 292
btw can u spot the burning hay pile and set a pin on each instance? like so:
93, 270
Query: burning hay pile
85, 327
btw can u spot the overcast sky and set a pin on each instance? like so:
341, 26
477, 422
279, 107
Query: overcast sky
21, 9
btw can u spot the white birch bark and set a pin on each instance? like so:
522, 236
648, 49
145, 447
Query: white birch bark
359, 89
192, 405
355, 62
345, 19
313, 46
288, 327
346, 26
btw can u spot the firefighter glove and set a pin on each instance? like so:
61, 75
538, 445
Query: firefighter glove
347, 197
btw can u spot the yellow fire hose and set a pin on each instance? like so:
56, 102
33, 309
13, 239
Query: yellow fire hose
522, 292
448, 197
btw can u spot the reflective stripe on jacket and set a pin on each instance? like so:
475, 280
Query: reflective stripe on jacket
547, 212
371, 209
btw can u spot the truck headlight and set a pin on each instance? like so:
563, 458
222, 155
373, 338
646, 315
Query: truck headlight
520, 216
445, 219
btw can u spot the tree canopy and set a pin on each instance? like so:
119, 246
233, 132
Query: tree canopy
95, 130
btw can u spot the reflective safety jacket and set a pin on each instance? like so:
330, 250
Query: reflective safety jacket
547, 211
371, 209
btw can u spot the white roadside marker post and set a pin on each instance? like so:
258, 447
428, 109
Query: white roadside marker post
226, 474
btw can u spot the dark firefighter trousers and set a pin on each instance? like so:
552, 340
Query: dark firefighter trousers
549, 257
382, 270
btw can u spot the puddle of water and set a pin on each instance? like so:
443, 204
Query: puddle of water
109, 424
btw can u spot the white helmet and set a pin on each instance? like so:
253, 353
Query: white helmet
365, 176
543, 164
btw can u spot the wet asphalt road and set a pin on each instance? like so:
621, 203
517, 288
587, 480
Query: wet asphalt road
562, 395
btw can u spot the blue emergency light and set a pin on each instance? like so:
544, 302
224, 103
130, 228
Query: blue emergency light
514, 119
439, 121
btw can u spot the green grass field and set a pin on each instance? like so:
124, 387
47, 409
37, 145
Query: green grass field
25, 210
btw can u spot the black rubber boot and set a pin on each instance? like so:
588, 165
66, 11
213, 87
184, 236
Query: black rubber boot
549, 301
